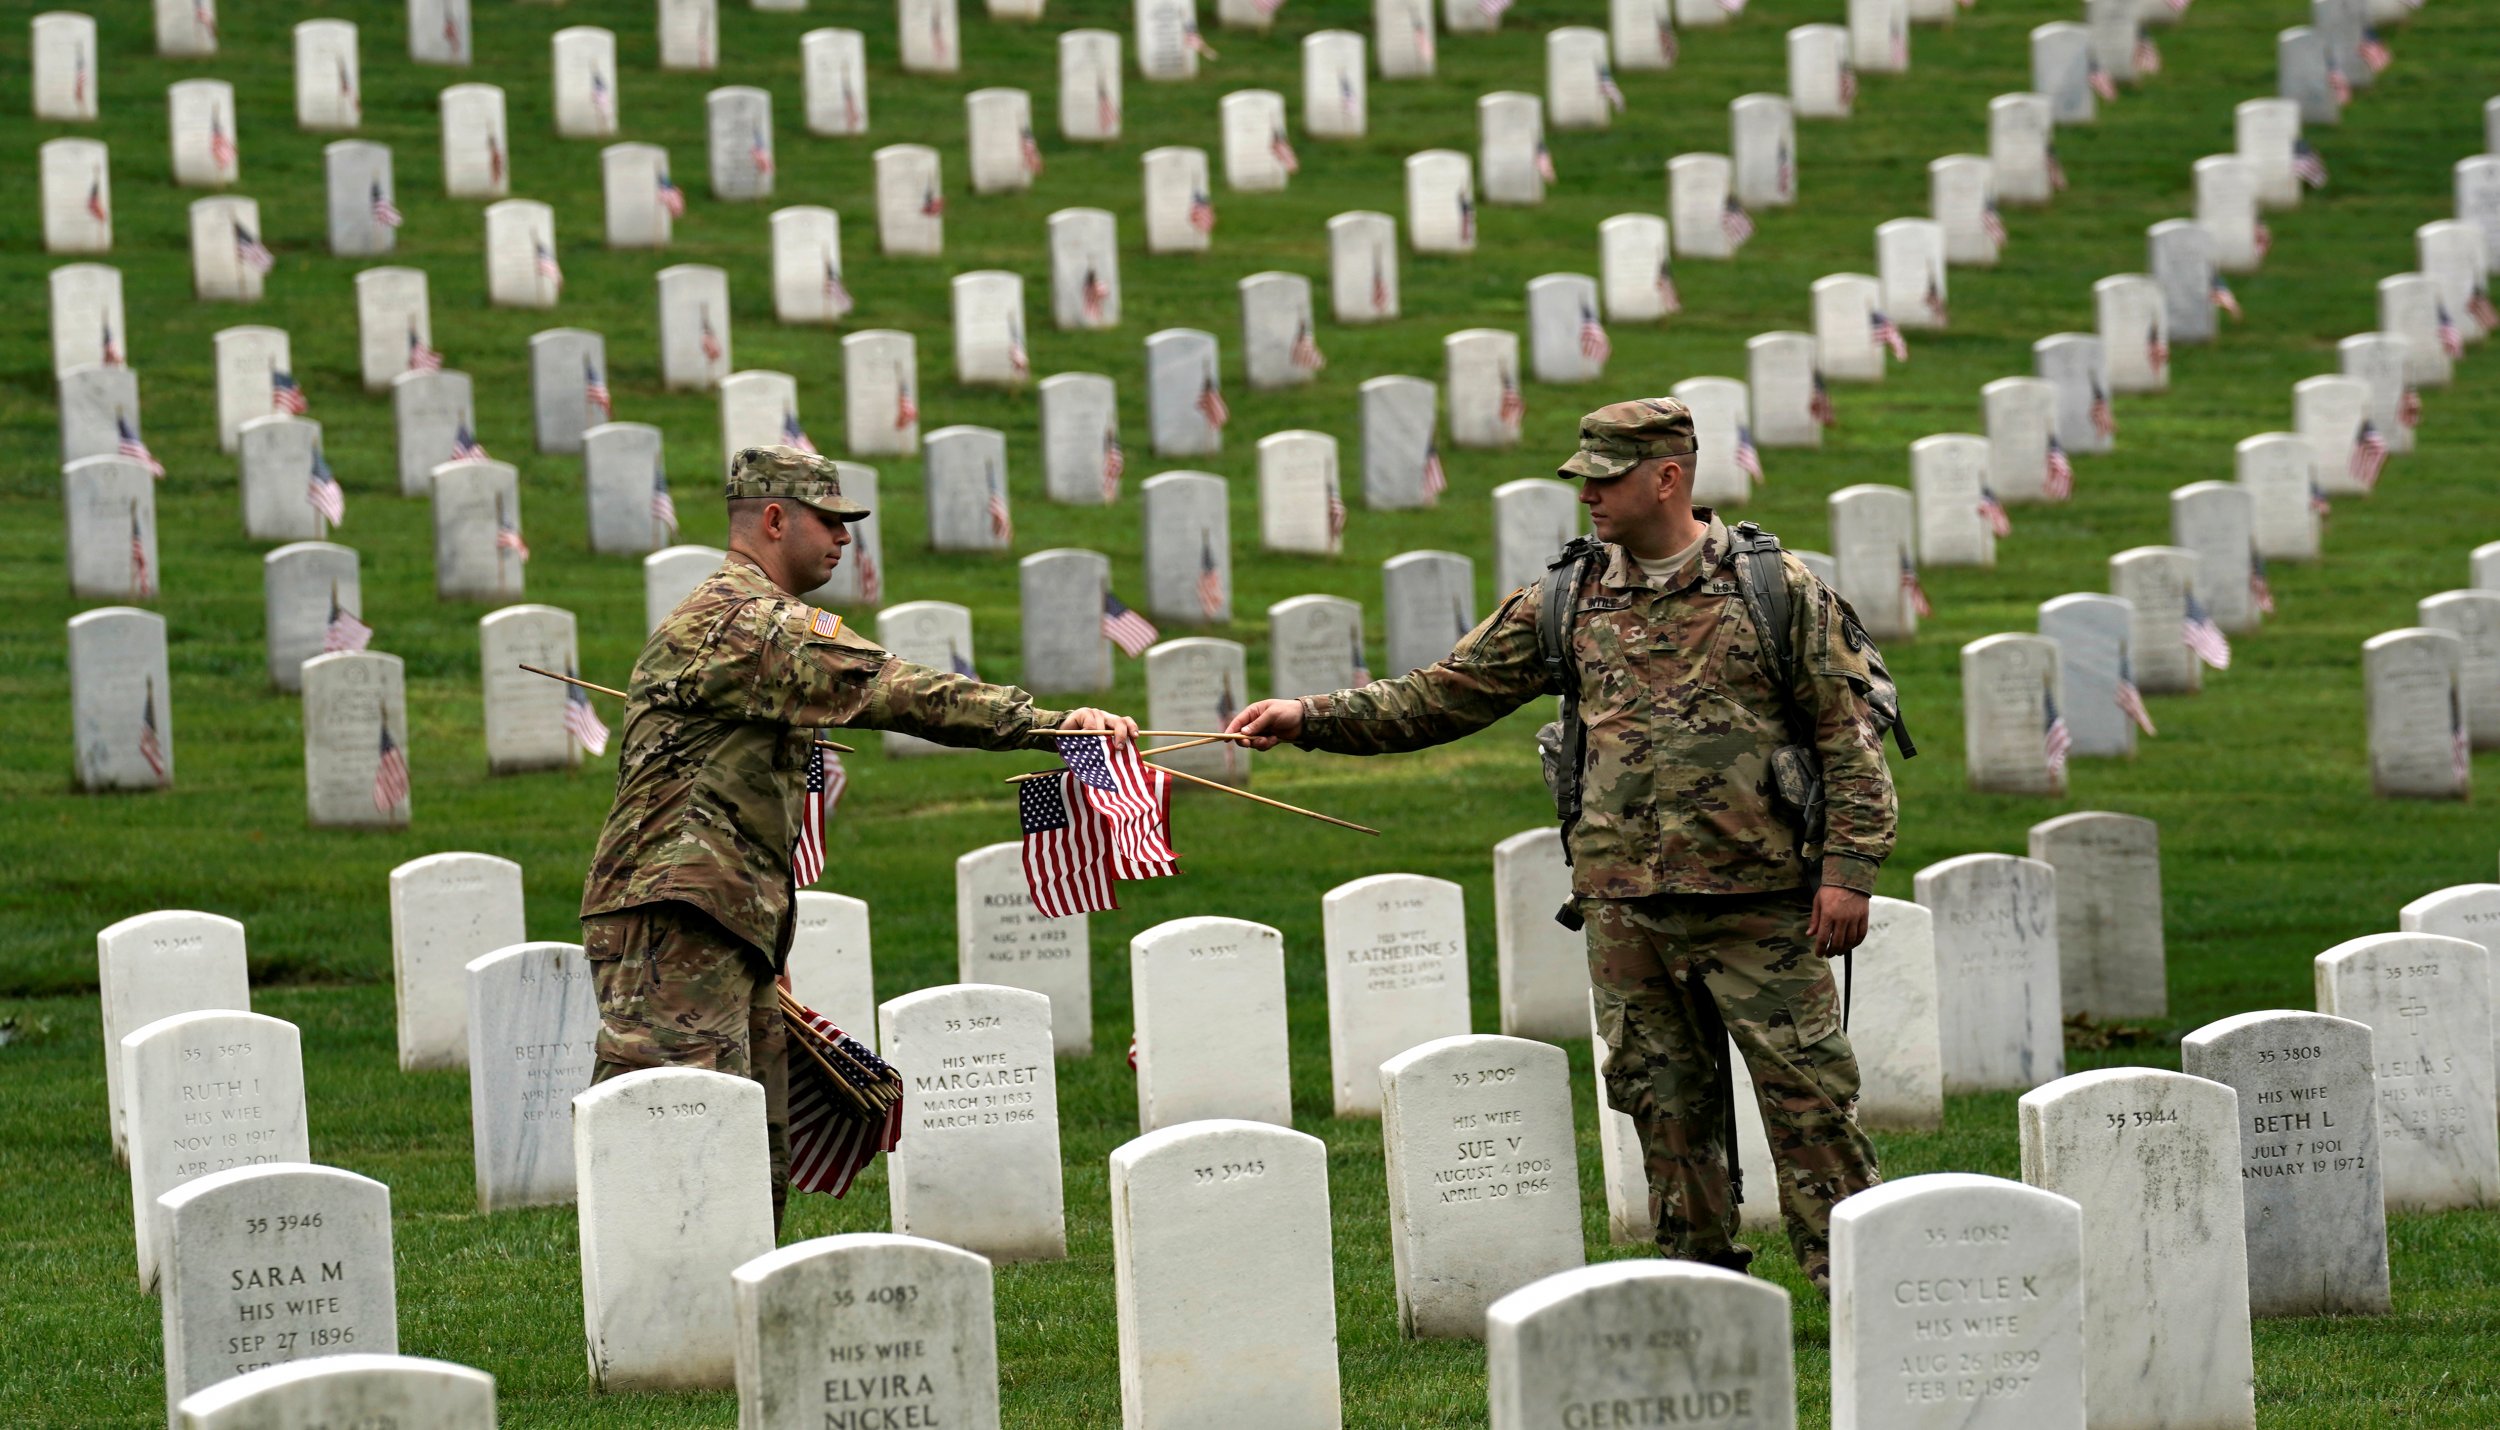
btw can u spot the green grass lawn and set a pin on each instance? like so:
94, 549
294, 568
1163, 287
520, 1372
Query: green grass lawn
2274, 848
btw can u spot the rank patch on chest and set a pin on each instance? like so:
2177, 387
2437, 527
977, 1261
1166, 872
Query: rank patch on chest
826, 624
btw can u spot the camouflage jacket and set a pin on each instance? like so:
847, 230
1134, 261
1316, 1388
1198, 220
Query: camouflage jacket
1683, 711
711, 774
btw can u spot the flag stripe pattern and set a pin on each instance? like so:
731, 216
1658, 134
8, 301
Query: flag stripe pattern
836, 1130
1123, 627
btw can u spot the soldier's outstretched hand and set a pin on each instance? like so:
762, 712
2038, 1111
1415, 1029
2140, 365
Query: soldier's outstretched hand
1120, 728
1268, 723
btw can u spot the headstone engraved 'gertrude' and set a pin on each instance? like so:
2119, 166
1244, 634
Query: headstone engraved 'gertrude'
1641, 1339
404, 1392
1315, 645
624, 475
1780, 375
1893, 1018
1957, 1300
2153, 1158
2109, 913
978, 1166
203, 1092
1061, 595
830, 966
866, 1329
533, 1034
355, 718
1209, 995
1244, 1206
121, 700
2217, 521
2092, 634
525, 713
1397, 976
1198, 683
272, 1264
2416, 716
1000, 938
1483, 1179
2010, 688
1998, 1003
2311, 1179
2427, 1001
446, 909
676, 1193
155, 965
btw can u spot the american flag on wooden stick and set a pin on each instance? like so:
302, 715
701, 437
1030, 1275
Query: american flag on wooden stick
323, 491
1594, 345
2131, 699
343, 631
1106, 109
385, 212
2337, 85
2101, 83
1029, 149
1911, 590
906, 411
2147, 58
1934, 299
451, 31
1362, 668
583, 723
1114, 462
1336, 512
1992, 511
2057, 170
826, 779
1123, 627
595, 389
1282, 149
2260, 590
760, 153
663, 506
2319, 506
846, 1103
793, 435
672, 198
1131, 796
1748, 456
1019, 362
543, 263
2203, 636
1512, 408
494, 158
1419, 23
422, 357
2451, 337
1211, 403
2307, 166
152, 743
1210, 577
1819, 404
602, 102
508, 534
1466, 217
2057, 481
1380, 284
1732, 7
112, 350
2264, 238
1492, 9
1669, 301
2056, 741
251, 252
1067, 849
1848, 84
2409, 406
1306, 354
1607, 89
1436, 476
2104, 421
1002, 527
1881, 328
2225, 299
837, 295
2478, 306
1201, 211
390, 773
1095, 295
204, 15
221, 150
1735, 224
142, 580
706, 340
465, 446
2369, 454
95, 197
871, 575
2156, 348
128, 445
2374, 52
1992, 223
284, 395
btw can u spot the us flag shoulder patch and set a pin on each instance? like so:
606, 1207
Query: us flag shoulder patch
826, 624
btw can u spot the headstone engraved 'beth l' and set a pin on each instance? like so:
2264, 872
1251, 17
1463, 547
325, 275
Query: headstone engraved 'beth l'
272, 1264
1484, 1186
446, 909
2427, 1001
978, 1166
1210, 1001
2310, 1175
533, 1034
1646, 1339
1957, 1300
1001, 938
1243, 1206
675, 1193
2153, 1158
866, 1329
404, 1392
1397, 976
204, 1092
1996, 971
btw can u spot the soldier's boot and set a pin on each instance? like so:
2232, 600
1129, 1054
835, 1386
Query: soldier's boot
1735, 1258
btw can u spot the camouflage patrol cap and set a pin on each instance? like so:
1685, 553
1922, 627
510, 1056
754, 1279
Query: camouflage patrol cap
787, 472
1621, 435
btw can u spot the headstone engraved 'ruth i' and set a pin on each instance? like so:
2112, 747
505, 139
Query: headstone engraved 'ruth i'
978, 1166
204, 1092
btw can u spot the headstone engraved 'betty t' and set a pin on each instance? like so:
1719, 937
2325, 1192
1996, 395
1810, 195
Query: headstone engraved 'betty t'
206, 1091
404, 1392
2153, 1158
2109, 913
157, 964
446, 909
1397, 976
272, 1264
868, 1329
1211, 1041
2427, 1001
2311, 1178
533, 1036
1957, 1300
978, 1166
1237, 1205
1001, 938
1483, 1178
1641, 1343
1996, 970
676, 1193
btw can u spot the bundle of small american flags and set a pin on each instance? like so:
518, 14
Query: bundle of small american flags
1105, 818
846, 1103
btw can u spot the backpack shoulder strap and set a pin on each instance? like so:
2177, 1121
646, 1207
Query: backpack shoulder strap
1762, 579
1556, 602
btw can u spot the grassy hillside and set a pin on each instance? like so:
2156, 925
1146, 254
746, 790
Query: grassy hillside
2274, 849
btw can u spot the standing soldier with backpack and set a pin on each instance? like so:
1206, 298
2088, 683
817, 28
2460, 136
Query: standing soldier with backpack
1720, 776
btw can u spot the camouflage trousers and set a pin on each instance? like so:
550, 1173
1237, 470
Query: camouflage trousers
677, 990
1669, 970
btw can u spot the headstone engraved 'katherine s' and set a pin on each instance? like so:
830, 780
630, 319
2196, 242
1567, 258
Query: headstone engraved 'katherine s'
1397, 976
403, 1392
271, 1264
2310, 1175
2427, 1001
2153, 1157
675, 1193
2109, 913
1209, 994
204, 1092
446, 909
1667, 1342
533, 1042
866, 1329
1483, 1179
978, 1166
157, 964
1243, 1206
1957, 1300
1996, 971
1001, 938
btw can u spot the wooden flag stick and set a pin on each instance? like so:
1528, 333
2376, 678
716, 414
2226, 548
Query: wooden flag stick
1200, 736
1217, 785
1141, 754
619, 694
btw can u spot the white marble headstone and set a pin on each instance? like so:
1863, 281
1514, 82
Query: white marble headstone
1209, 995
275, 457
1846, 348
1879, 35
203, 1092
155, 965
355, 708
1872, 535
694, 327
2022, 157
2071, 363
880, 393
2216, 520
1949, 479
1315, 645
525, 727
930, 36
2380, 361
1199, 683
1533, 518
409, 1392
2109, 913
1567, 341
1259, 156
911, 200
110, 503
446, 910
2180, 256
223, 232
1400, 446
585, 85
1402, 33
302, 584
2134, 325
689, 34
1089, 85
2419, 738
1279, 333
568, 370
1301, 501
1961, 195
2408, 305
88, 325
533, 1031
1482, 373
867, 1327
1510, 147
2226, 207
1911, 272
121, 700
1430, 602
2278, 471
2010, 686
1335, 88
2305, 74
2158, 581
1782, 381
1003, 154
1397, 976
965, 476
476, 504
2092, 633
1541, 967
1082, 454
1822, 81
624, 471
1061, 595
476, 142
67, 86
1703, 1344
394, 324
2473, 617
203, 137
1996, 970
1635, 272
637, 186
1001, 939
670, 574
738, 123
834, 66
978, 1166
1179, 205
77, 196
1084, 269
522, 266
1181, 373
1440, 202
1893, 1028
1762, 144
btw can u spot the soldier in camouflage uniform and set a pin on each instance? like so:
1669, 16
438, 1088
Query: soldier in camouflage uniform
686, 916
1702, 903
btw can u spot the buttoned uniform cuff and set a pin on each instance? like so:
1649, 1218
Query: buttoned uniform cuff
1848, 871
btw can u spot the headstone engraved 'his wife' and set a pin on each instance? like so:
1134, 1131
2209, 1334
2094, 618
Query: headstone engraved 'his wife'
2427, 1001
1397, 976
979, 1162
206, 1091
533, 1044
866, 1330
